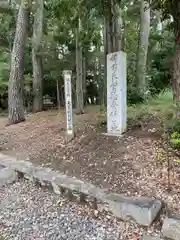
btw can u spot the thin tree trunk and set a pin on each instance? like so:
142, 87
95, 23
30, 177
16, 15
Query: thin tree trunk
36, 57
159, 28
175, 7
109, 28
117, 26
79, 72
159, 22
37, 82
58, 95
108, 46
143, 48
176, 75
15, 89
112, 35
84, 79
99, 80
104, 84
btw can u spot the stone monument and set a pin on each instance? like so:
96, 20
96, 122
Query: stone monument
68, 101
116, 93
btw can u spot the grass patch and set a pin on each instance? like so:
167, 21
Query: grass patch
160, 107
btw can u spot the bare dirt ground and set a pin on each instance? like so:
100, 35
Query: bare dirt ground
135, 164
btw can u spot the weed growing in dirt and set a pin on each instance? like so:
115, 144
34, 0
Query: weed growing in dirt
175, 139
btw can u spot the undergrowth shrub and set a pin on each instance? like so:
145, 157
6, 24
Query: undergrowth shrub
175, 140
174, 133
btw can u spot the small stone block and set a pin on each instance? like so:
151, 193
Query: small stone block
171, 228
7, 176
142, 210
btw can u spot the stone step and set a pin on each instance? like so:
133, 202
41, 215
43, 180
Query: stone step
143, 210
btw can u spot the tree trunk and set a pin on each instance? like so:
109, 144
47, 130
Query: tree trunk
175, 8
37, 82
143, 48
117, 25
79, 72
108, 28
159, 22
99, 80
108, 45
15, 89
104, 84
112, 35
58, 95
176, 75
159, 28
36, 57
84, 79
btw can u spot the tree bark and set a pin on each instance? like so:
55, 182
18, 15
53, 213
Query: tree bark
15, 89
37, 82
36, 57
117, 25
176, 75
112, 35
58, 95
175, 11
108, 28
108, 44
143, 48
79, 72
99, 96
84, 78
104, 84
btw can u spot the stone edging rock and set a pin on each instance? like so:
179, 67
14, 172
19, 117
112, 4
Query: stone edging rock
7, 175
171, 228
146, 237
142, 210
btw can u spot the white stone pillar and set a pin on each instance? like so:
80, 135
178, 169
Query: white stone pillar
116, 93
68, 101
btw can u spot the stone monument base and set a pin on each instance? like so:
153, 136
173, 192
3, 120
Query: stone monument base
113, 134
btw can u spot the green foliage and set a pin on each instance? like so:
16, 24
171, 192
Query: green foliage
175, 140
159, 107
7, 30
160, 60
2, 238
58, 45
4, 70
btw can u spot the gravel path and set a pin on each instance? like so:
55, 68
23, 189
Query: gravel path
28, 212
